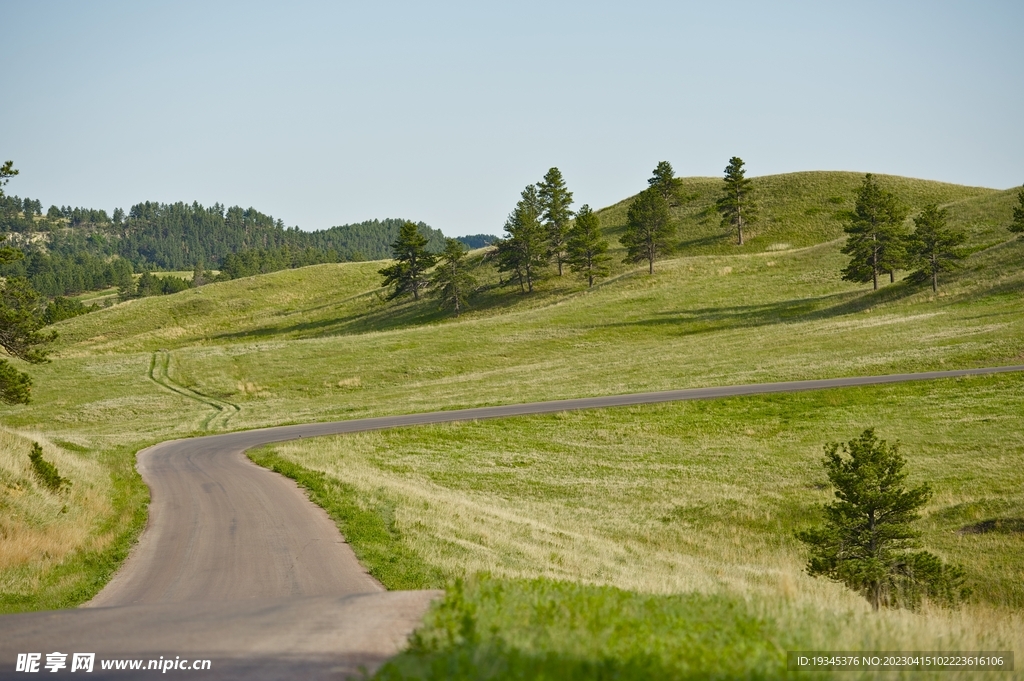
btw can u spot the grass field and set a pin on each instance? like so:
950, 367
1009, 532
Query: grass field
683, 510
699, 498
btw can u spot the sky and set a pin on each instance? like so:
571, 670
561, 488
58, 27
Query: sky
327, 113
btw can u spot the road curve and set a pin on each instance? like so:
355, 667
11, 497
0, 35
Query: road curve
237, 566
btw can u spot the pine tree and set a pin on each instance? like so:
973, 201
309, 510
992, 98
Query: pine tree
524, 249
934, 247
649, 228
21, 322
876, 241
7, 171
1018, 213
587, 248
199, 275
451, 280
665, 181
412, 260
868, 529
555, 200
736, 203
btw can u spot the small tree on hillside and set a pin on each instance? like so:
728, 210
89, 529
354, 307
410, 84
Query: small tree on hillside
867, 532
21, 323
587, 248
935, 247
665, 181
524, 249
200, 275
451, 280
1018, 213
45, 471
412, 260
736, 203
649, 228
555, 200
875, 241
21, 320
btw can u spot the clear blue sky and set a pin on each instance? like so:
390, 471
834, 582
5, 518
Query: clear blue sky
328, 113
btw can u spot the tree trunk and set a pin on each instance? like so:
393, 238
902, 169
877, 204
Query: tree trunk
935, 275
874, 268
892, 277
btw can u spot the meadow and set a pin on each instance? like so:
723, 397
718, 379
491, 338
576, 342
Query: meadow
696, 498
683, 510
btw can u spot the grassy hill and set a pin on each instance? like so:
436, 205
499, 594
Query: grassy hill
796, 209
634, 503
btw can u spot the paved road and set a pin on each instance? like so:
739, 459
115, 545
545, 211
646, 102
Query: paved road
238, 567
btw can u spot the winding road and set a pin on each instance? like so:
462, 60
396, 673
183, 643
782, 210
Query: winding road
238, 567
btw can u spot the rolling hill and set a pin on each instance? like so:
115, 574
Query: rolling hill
623, 506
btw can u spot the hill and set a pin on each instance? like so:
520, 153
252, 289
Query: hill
687, 511
72, 250
796, 209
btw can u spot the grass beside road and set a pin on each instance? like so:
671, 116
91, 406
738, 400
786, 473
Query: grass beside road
61, 547
611, 508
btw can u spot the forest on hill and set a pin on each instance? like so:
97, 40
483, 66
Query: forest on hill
69, 250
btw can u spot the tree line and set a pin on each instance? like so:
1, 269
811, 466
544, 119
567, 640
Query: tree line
543, 232
85, 249
177, 236
879, 243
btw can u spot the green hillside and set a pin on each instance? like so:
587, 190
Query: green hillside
601, 501
796, 209
327, 300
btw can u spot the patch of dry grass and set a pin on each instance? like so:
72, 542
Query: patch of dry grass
39, 528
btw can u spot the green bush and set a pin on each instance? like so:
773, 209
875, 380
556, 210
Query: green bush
46, 471
61, 308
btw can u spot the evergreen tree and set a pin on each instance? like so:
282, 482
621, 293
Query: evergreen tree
736, 203
7, 171
587, 249
666, 182
555, 200
408, 274
934, 247
649, 228
876, 242
867, 532
451, 280
524, 249
1018, 213
21, 320
199, 275
146, 285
